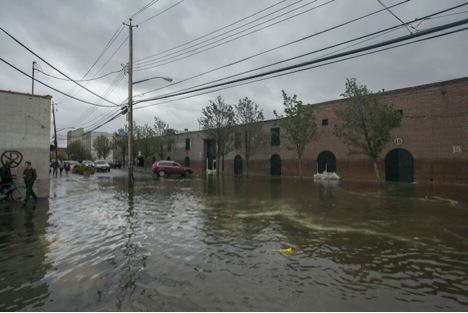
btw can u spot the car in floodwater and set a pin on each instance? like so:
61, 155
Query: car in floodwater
88, 163
167, 168
102, 166
115, 164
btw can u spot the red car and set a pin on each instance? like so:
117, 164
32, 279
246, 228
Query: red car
165, 168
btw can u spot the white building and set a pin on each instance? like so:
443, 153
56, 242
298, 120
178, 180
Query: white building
25, 128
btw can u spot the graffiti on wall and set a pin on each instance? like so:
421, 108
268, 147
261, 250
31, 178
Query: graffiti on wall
12, 158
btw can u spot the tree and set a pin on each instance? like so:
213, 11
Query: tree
365, 121
249, 115
102, 146
298, 123
76, 151
163, 137
120, 142
146, 146
217, 121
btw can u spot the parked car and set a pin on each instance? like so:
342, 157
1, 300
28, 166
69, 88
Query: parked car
166, 168
115, 164
88, 163
102, 166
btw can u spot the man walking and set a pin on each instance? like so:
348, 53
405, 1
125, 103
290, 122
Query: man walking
29, 176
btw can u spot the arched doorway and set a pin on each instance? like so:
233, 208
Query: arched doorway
275, 165
399, 166
238, 165
187, 161
326, 161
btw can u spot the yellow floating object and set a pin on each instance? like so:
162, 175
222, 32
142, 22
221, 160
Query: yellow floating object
286, 250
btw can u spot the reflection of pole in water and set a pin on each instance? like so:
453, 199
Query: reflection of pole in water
134, 258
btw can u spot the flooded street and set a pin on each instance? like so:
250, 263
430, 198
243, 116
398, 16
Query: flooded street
250, 244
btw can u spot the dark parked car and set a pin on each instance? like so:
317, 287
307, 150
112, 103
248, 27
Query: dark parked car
115, 164
165, 168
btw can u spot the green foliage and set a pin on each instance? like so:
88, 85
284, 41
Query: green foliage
298, 123
217, 120
364, 122
102, 145
83, 170
120, 142
76, 151
248, 116
163, 137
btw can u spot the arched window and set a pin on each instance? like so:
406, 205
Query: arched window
326, 162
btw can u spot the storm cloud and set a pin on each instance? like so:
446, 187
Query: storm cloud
71, 35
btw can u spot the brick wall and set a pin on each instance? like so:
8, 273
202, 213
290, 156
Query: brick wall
434, 130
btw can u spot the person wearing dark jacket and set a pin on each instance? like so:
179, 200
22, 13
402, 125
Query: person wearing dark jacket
29, 176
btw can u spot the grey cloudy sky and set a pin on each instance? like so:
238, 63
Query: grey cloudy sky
71, 35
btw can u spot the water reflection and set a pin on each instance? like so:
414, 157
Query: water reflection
23, 248
215, 244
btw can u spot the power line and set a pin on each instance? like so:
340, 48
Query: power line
306, 63
275, 48
42, 59
231, 30
88, 113
383, 31
148, 5
212, 32
304, 69
106, 47
54, 89
395, 16
163, 11
182, 55
79, 80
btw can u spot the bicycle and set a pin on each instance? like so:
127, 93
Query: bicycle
11, 191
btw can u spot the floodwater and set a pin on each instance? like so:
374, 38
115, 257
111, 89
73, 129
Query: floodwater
256, 244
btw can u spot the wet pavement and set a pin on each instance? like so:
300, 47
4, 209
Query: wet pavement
235, 244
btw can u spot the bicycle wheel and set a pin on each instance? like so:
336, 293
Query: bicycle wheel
17, 195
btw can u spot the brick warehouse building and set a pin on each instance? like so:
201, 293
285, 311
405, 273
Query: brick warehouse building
430, 146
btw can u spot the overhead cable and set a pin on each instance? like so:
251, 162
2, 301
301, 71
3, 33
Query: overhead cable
275, 48
184, 55
383, 31
50, 87
306, 63
212, 32
55, 68
304, 69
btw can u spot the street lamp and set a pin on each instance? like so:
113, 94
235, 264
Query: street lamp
168, 79
60, 129
130, 104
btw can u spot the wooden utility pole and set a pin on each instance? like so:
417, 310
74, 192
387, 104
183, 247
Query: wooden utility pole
33, 70
130, 102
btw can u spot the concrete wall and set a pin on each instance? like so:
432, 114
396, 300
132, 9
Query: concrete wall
25, 127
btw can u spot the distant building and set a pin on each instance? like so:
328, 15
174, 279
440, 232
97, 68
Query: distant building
25, 128
430, 146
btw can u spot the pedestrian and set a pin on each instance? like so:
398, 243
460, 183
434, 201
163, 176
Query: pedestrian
67, 167
61, 167
54, 167
29, 176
